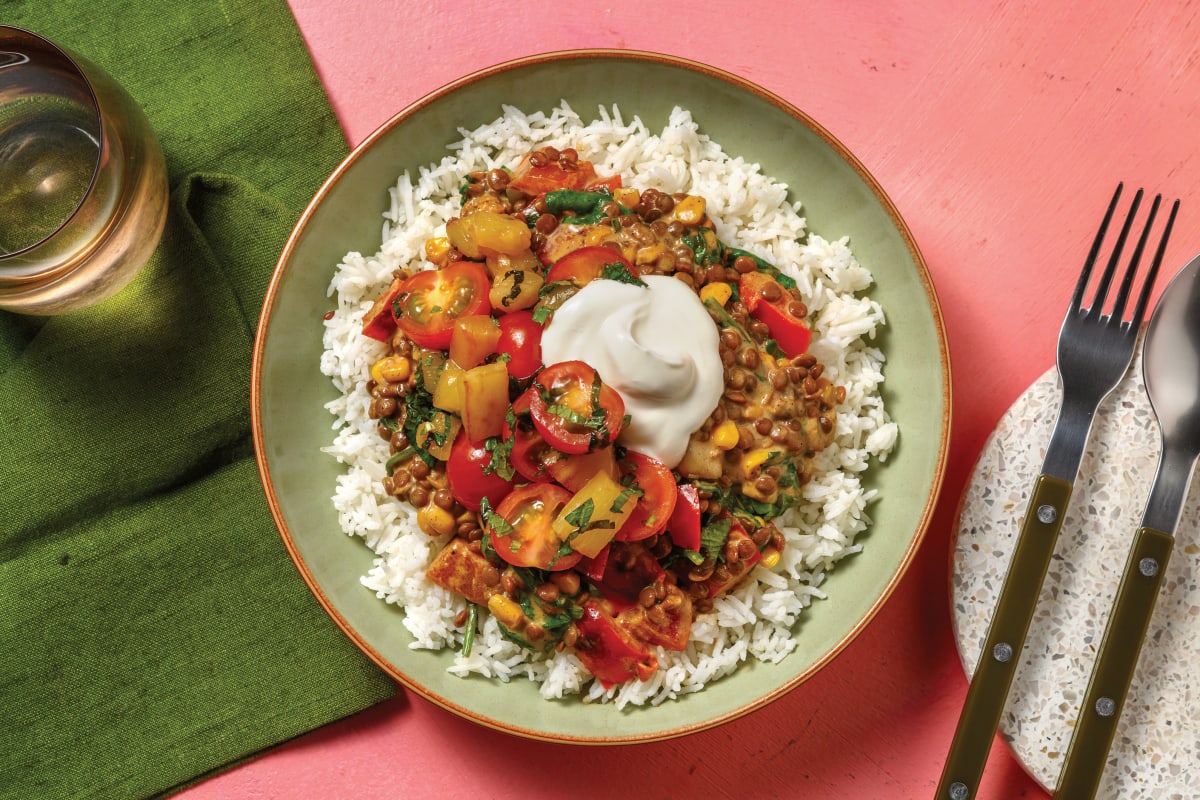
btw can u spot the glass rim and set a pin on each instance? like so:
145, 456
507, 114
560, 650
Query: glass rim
13, 36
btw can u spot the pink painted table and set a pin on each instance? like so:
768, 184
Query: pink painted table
999, 129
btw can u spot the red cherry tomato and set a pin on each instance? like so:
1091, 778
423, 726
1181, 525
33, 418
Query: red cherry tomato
521, 531
585, 265
770, 304
521, 341
573, 410
530, 452
608, 650
469, 475
657, 501
430, 301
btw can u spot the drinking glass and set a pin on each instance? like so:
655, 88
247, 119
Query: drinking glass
83, 183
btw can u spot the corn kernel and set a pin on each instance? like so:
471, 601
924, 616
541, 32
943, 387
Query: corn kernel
597, 235
627, 196
726, 435
506, 612
754, 459
648, 254
437, 249
770, 557
435, 520
391, 369
690, 210
718, 290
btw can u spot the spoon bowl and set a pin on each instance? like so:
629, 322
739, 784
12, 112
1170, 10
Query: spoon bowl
1171, 372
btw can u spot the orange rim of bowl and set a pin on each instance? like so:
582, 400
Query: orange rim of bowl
608, 54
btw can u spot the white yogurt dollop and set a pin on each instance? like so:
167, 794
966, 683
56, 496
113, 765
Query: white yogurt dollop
656, 346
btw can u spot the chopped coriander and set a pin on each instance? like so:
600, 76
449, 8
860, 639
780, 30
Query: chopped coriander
617, 271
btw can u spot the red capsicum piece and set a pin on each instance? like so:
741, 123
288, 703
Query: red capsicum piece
770, 304
608, 651
379, 323
684, 524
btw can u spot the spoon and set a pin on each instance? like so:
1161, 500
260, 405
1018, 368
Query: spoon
1171, 371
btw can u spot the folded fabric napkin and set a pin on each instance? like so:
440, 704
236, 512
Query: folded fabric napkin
152, 627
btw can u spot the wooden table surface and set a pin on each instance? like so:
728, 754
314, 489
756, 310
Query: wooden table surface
999, 129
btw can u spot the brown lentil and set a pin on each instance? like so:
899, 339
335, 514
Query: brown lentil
567, 582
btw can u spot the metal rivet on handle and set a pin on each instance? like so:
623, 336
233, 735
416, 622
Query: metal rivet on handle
959, 791
1047, 514
1002, 652
1148, 567
1105, 706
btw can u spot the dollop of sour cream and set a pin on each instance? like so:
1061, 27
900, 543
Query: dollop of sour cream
656, 346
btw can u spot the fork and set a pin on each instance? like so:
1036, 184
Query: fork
1095, 348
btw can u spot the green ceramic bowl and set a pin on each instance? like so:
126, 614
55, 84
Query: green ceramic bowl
840, 197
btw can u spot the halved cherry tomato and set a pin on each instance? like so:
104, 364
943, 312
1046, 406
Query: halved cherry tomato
769, 303
522, 535
608, 651
574, 410
530, 452
684, 525
467, 476
521, 341
379, 323
430, 301
585, 265
549, 177
657, 501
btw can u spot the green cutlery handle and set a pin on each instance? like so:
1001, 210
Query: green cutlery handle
1006, 636
1113, 671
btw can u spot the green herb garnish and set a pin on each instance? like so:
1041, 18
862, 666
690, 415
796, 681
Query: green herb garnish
617, 271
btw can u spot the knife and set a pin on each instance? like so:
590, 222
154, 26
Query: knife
1171, 371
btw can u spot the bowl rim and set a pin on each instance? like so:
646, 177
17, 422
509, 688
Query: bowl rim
939, 466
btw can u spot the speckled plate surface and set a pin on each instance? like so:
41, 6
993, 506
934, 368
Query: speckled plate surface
1157, 744
841, 198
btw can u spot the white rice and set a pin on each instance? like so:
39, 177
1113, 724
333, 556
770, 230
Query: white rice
750, 211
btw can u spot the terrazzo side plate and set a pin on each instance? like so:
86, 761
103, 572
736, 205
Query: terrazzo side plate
1157, 743
841, 199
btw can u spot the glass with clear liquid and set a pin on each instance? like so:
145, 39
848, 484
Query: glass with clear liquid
83, 188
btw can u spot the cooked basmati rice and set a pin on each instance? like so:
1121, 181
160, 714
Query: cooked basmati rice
749, 210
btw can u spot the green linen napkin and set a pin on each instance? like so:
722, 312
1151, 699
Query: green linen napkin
152, 627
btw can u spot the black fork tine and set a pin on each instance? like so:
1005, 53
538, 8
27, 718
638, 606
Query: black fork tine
1098, 298
1144, 297
1127, 282
1086, 274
